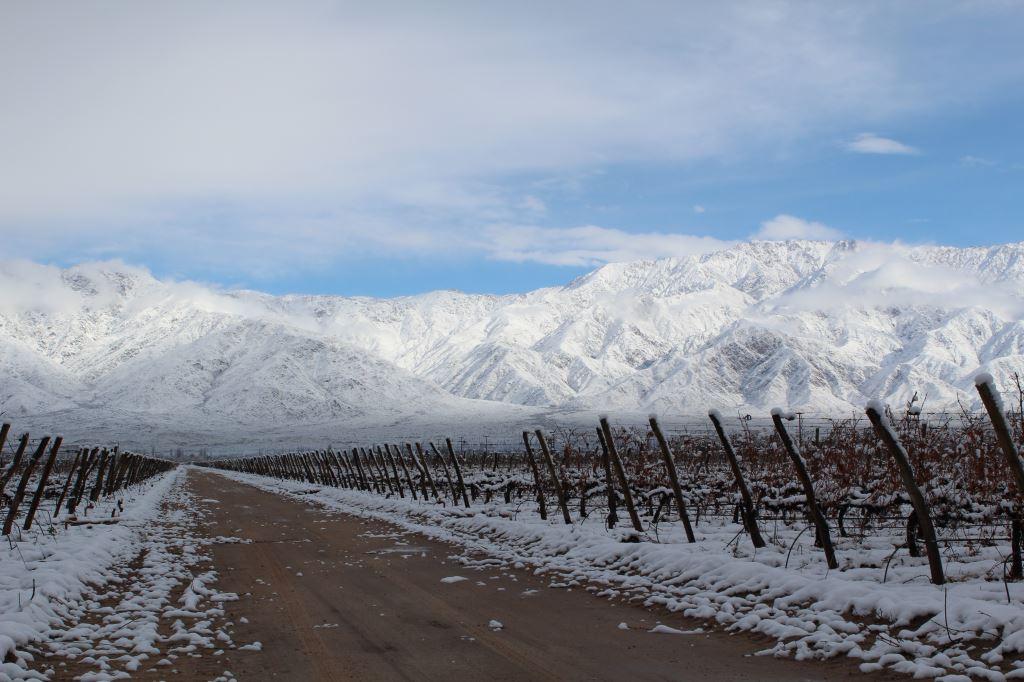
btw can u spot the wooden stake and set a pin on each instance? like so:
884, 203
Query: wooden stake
394, 468
458, 471
924, 519
627, 495
419, 467
19, 494
986, 389
426, 468
537, 482
405, 470
613, 517
559, 492
820, 523
67, 482
14, 463
447, 474
43, 478
673, 478
749, 512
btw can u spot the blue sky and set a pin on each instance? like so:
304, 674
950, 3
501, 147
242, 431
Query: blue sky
343, 148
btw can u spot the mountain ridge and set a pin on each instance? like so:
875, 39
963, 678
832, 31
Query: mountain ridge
811, 325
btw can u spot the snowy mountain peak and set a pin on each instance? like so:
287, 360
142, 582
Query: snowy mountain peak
819, 326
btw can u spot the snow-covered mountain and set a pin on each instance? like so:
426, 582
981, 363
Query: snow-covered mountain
820, 326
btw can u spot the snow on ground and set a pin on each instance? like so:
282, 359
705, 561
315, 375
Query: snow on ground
104, 600
879, 607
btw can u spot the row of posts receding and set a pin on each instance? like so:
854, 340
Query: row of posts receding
386, 470
94, 473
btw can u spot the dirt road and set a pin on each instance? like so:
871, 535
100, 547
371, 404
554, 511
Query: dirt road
335, 597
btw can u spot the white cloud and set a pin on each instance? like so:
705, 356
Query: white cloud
784, 226
589, 245
869, 143
878, 274
697, 208
976, 161
259, 136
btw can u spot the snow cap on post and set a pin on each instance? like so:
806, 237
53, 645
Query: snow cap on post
982, 378
876, 405
777, 412
715, 414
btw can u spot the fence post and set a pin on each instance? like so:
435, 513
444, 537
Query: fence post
986, 386
419, 468
84, 468
458, 471
43, 478
394, 468
537, 482
67, 482
98, 485
447, 474
876, 413
673, 478
426, 468
559, 492
820, 524
613, 517
621, 471
405, 469
14, 463
379, 479
749, 512
4, 430
19, 495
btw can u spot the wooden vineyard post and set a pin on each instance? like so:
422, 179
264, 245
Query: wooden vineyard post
820, 524
334, 468
405, 470
621, 472
4, 430
41, 488
419, 468
22, 445
993, 405
325, 465
559, 490
426, 468
673, 478
97, 486
749, 513
115, 461
343, 473
88, 459
19, 494
458, 471
876, 414
361, 469
350, 473
380, 478
394, 469
67, 482
379, 467
373, 471
538, 484
613, 517
303, 461
447, 474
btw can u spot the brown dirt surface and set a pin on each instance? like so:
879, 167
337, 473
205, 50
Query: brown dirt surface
335, 597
